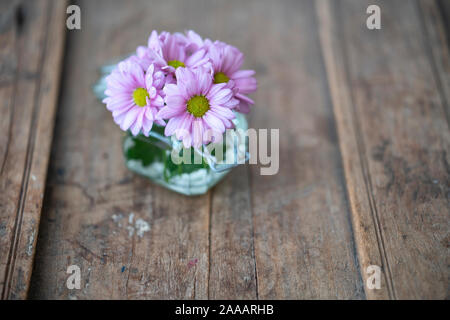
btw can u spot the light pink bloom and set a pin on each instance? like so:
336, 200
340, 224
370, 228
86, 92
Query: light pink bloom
134, 97
194, 42
169, 51
145, 56
226, 63
197, 109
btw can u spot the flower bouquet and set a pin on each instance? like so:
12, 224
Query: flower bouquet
181, 99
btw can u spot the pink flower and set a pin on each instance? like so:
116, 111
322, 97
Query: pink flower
134, 97
169, 51
192, 82
197, 109
226, 61
194, 42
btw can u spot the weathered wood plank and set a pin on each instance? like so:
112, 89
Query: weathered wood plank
341, 96
93, 202
437, 47
31, 49
303, 236
304, 245
232, 262
394, 138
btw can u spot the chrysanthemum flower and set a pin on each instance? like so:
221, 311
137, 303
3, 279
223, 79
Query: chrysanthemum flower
169, 52
196, 108
135, 97
226, 61
195, 42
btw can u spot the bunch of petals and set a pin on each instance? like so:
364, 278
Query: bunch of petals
190, 85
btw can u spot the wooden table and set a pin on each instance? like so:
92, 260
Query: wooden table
364, 157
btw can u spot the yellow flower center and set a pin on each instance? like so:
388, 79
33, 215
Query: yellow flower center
176, 64
220, 77
139, 97
198, 106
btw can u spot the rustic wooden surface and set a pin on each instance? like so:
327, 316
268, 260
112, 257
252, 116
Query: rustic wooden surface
364, 163
392, 118
31, 48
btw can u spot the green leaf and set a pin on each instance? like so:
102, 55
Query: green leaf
149, 150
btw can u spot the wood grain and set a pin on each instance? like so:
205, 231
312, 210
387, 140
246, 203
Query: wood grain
31, 47
304, 246
391, 112
232, 261
94, 205
364, 163
284, 236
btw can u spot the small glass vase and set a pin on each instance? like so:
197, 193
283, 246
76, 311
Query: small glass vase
152, 156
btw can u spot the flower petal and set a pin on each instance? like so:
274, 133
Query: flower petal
173, 125
168, 112
220, 97
224, 112
246, 85
197, 128
130, 118
136, 127
242, 74
214, 122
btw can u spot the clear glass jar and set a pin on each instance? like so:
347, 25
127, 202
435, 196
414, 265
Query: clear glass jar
151, 157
